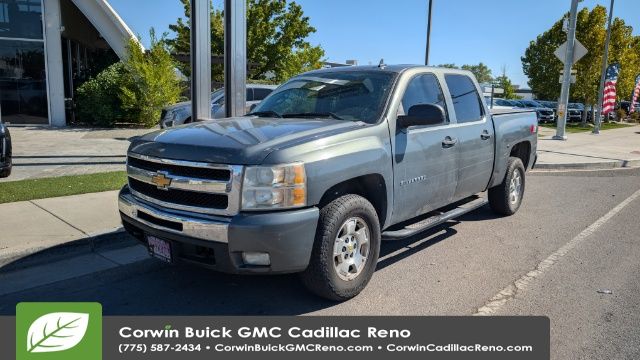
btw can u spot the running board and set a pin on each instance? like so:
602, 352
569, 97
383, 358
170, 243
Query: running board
434, 220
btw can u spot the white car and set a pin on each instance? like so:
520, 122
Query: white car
180, 113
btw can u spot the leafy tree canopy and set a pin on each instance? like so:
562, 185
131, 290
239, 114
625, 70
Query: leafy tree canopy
543, 68
277, 45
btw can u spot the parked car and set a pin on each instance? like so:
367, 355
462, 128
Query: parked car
322, 170
553, 105
626, 106
544, 113
498, 103
574, 112
180, 113
5, 151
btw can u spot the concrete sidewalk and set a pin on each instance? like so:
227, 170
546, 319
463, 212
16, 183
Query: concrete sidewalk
27, 227
48, 152
615, 148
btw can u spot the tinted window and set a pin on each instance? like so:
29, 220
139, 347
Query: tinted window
466, 100
23, 94
423, 89
249, 94
349, 95
259, 93
21, 19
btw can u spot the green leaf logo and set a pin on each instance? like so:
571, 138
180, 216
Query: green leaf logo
56, 332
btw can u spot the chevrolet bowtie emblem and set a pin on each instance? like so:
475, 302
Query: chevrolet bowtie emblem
161, 180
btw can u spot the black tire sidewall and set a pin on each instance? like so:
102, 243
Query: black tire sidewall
371, 220
515, 164
321, 277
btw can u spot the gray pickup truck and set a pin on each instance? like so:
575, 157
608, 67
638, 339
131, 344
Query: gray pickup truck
327, 166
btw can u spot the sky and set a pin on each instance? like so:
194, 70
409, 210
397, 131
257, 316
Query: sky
495, 32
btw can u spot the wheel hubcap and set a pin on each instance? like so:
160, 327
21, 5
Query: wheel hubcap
515, 188
351, 248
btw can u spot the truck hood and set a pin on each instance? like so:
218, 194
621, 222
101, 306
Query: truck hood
238, 141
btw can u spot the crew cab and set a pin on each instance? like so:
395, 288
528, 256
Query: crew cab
326, 167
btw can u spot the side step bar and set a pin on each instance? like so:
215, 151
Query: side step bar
435, 220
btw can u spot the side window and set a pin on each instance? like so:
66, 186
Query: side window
422, 89
249, 94
260, 93
466, 101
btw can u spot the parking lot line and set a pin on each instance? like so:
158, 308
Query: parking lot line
509, 292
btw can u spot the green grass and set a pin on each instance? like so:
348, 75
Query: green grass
576, 128
32, 189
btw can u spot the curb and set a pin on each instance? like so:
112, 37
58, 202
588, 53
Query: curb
605, 165
106, 240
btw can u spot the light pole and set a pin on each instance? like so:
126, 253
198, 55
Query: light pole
426, 56
566, 80
605, 60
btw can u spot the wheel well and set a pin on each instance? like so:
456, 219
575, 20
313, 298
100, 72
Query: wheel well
187, 120
523, 151
371, 187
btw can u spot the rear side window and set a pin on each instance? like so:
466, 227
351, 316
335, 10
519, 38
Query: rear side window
422, 89
466, 101
260, 93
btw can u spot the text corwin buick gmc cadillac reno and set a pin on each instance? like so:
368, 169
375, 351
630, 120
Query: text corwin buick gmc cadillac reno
328, 165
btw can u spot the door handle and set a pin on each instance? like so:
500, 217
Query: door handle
485, 135
449, 142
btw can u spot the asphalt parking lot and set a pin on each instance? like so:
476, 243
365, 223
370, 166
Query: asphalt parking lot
576, 234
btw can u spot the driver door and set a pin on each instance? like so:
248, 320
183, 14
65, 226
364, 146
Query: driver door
425, 157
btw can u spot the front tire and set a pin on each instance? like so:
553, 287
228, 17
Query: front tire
346, 249
506, 198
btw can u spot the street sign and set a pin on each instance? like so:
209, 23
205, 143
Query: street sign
578, 52
573, 79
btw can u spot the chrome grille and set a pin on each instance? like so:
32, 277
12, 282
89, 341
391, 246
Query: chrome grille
184, 185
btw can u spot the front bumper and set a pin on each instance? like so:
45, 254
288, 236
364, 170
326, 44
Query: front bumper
217, 242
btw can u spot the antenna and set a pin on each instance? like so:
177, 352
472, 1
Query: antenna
382, 65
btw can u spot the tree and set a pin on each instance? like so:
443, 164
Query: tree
150, 81
276, 40
481, 72
448, 66
504, 83
543, 68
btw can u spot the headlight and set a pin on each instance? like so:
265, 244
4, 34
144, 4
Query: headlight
274, 187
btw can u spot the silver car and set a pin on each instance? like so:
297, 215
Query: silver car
180, 113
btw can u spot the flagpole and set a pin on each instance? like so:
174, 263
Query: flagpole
605, 60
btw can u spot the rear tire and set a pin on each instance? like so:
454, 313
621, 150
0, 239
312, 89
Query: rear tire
346, 248
506, 198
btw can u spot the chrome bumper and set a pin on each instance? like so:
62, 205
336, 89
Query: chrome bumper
210, 230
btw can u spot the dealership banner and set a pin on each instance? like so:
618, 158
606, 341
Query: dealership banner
81, 332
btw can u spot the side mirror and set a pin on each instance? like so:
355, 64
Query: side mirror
253, 106
422, 114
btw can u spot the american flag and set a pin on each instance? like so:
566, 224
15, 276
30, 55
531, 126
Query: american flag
635, 97
609, 102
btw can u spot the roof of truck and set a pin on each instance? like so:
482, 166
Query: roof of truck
386, 68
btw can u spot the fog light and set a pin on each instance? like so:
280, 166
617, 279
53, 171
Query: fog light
256, 258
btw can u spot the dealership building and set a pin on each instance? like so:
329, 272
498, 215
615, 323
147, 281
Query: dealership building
48, 48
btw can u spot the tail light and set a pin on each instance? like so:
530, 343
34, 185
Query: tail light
533, 129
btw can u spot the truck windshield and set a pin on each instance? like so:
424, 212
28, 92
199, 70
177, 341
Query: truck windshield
352, 95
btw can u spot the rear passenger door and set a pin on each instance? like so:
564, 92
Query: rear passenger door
475, 135
425, 157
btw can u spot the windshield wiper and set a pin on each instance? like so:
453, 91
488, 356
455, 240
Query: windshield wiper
268, 113
313, 114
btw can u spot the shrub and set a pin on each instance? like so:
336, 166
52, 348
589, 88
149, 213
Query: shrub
635, 116
97, 99
621, 114
150, 82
